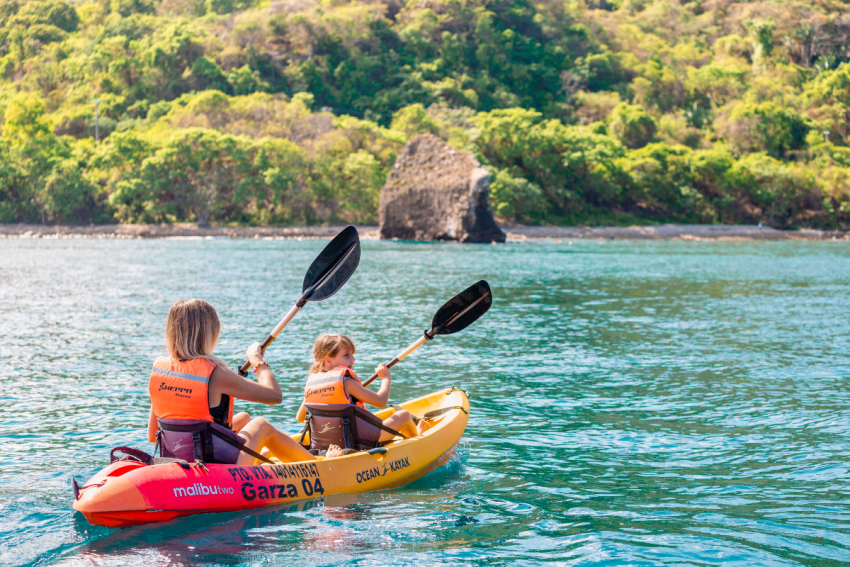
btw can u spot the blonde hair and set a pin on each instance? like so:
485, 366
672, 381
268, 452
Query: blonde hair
192, 331
328, 345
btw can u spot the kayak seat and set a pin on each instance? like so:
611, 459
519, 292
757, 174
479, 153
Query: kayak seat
345, 425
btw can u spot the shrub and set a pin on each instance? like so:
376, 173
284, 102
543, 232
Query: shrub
516, 199
781, 194
764, 127
630, 124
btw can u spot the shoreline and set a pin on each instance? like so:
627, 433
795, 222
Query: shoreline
697, 232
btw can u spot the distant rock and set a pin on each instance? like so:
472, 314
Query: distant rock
435, 192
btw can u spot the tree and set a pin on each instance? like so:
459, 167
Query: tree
630, 124
414, 120
67, 196
192, 176
764, 127
245, 81
516, 199
827, 99
24, 120
574, 167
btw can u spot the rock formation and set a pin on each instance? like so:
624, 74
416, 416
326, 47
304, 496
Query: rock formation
435, 192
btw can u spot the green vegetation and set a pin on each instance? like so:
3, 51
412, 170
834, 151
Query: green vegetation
293, 111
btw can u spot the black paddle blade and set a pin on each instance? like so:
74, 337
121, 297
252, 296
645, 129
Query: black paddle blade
463, 309
333, 267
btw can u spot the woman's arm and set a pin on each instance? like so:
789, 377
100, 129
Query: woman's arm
378, 399
265, 390
301, 416
152, 426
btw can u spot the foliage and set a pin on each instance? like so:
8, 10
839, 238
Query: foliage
630, 124
765, 127
257, 112
573, 167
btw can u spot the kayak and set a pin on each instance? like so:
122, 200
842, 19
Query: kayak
129, 492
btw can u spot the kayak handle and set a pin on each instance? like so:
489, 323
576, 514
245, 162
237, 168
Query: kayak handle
76, 488
378, 451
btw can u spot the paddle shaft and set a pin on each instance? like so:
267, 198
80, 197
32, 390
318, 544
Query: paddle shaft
401, 356
428, 336
302, 301
315, 291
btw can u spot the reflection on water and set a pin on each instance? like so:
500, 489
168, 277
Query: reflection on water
632, 403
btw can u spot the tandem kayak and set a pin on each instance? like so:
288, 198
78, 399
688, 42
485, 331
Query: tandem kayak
128, 492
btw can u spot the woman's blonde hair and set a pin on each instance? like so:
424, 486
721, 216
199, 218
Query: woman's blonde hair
328, 345
192, 331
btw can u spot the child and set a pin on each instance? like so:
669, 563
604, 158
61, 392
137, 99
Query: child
192, 392
333, 392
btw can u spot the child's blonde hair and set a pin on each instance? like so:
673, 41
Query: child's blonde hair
328, 345
192, 331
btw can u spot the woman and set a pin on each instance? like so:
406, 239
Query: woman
192, 393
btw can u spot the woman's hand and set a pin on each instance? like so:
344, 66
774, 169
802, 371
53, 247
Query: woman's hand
383, 372
255, 354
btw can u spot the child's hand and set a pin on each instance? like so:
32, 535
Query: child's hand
383, 372
254, 354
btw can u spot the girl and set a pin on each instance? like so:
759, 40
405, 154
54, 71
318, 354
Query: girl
192, 394
333, 392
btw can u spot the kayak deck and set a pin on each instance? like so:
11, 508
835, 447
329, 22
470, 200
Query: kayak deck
128, 492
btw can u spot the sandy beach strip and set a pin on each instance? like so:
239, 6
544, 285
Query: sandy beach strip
694, 232
674, 232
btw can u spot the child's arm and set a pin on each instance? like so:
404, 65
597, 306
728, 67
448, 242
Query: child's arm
378, 399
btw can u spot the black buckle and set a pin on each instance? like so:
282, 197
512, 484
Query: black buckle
199, 456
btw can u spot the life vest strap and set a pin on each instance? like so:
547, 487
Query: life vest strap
398, 408
241, 447
346, 432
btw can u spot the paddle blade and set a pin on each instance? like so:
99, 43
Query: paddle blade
333, 267
463, 309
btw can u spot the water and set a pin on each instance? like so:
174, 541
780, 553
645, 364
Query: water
633, 403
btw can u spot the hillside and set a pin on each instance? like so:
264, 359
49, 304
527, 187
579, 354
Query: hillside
274, 113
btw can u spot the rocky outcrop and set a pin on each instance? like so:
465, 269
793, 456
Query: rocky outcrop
435, 192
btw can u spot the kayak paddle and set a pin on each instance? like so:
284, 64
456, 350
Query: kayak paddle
457, 314
328, 272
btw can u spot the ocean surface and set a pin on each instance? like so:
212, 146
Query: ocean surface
632, 403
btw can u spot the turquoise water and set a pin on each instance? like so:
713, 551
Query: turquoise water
633, 403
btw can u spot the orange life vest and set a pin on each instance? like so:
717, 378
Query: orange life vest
328, 387
180, 390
